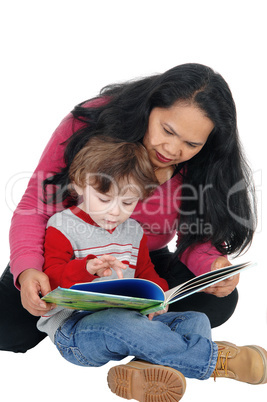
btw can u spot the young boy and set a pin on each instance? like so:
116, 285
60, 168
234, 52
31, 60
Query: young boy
97, 241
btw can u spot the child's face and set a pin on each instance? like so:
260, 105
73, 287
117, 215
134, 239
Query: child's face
110, 209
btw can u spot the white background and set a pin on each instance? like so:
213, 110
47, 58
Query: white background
55, 54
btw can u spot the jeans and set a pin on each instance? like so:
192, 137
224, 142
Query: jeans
178, 340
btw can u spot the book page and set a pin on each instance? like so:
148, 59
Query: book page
203, 281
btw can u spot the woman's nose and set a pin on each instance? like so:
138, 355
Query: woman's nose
174, 150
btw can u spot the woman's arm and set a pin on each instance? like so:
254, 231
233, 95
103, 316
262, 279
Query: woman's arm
31, 215
29, 223
30, 218
199, 257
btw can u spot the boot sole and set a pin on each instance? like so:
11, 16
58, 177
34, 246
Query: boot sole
146, 382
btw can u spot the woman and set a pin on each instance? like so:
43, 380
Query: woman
186, 119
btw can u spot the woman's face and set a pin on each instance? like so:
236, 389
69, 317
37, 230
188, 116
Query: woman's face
176, 134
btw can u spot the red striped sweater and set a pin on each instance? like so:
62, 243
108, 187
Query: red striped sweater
72, 238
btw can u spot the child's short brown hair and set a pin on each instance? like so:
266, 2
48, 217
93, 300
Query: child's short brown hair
104, 161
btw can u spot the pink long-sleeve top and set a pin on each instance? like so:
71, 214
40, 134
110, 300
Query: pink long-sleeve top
158, 214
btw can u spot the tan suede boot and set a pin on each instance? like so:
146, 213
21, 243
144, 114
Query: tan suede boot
246, 363
144, 382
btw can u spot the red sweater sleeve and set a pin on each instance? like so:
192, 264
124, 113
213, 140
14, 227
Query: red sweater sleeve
145, 269
63, 270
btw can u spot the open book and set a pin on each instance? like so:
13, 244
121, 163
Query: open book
135, 293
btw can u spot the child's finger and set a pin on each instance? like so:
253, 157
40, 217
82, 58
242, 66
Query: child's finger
118, 264
107, 258
97, 261
106, 272
118, 272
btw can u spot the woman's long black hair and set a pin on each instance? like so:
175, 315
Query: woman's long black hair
219, 173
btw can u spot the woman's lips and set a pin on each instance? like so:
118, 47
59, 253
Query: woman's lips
162, 158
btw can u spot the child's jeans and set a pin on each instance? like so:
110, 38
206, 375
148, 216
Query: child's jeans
179, 340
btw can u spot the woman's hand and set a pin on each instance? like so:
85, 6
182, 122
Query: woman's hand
32, 283
104, 265
223, 288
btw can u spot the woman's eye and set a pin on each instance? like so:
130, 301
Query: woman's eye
191, 145
167, 131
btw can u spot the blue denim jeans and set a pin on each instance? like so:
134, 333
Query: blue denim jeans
178, 340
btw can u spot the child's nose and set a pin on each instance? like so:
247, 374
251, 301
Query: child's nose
115, 210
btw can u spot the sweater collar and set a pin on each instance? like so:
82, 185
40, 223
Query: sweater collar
86, 217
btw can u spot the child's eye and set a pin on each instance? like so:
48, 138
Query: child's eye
129, 202
103, 200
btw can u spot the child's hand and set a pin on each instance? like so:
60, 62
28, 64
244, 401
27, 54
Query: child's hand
152, 315
103, 266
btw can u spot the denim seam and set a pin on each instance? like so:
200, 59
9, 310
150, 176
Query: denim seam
76, 353
60, 333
